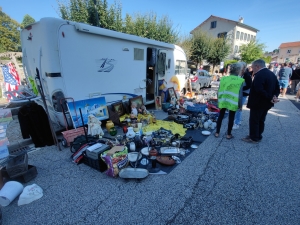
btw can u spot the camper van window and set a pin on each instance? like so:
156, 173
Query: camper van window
180, 67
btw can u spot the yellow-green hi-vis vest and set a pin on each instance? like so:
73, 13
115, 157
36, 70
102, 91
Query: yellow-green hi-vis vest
228, 95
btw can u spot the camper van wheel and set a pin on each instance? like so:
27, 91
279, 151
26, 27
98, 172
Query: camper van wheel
64, 142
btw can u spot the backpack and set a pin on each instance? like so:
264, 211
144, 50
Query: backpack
80, 141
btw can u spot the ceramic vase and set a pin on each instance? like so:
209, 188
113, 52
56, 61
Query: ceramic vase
206, 125
109, 124
130, 133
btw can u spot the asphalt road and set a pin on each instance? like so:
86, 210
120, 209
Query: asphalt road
221, 182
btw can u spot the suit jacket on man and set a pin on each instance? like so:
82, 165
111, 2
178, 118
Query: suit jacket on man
264, 86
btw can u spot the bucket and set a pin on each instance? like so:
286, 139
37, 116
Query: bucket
9, 192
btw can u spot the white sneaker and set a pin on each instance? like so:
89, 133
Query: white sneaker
297, 100
235, 126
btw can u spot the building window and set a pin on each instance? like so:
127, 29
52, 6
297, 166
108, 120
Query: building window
242, 36
236, 49
245, 37
289, 51
254, 38
222, 35
213, 24
251, 38
248, 39
237, 35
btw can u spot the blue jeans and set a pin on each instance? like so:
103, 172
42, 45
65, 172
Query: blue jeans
238, 113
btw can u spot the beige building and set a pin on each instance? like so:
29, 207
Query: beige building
289, 52
237, 32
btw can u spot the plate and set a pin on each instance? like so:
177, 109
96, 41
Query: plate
194, 146
206, 132
132, 156
145, 151
169, 150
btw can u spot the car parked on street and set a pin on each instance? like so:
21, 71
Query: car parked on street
201, 79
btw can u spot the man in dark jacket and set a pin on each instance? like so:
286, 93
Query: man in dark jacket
263, 94
295, 79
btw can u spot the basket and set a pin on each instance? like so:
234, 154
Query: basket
17, 166
69, 135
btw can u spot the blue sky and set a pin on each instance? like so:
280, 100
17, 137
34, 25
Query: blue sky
277, 20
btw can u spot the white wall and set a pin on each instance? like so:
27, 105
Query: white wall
293, 55
230, 28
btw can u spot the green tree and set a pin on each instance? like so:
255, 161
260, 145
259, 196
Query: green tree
201, 46
219, 51
267, 59
251, 51
147, 26
26, 21
9, 33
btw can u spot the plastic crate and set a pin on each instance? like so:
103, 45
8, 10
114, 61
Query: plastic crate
97, 164
17, 165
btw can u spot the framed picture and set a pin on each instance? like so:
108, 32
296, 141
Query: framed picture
118, 108
138, 100
172, 93
94, 106
158, 102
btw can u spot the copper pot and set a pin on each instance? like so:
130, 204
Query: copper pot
153, 152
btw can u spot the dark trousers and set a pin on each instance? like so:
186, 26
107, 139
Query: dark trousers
230, 120
257, 123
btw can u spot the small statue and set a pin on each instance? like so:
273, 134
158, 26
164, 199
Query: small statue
134, 110
94, 126
143, 110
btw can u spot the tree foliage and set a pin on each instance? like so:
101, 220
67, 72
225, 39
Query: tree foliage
201, 47
26, 21
110, 17
219, 51
9, 33
251, 51
267, 59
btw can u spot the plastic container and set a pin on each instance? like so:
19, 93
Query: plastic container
9, 192
17, 165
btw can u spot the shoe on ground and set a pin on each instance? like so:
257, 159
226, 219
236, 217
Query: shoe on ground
297, 100
249, 140
235, 126
248, 137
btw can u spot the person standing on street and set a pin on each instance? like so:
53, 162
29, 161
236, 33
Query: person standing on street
284, 75
263, 94
245, 74
230, 95
295, 79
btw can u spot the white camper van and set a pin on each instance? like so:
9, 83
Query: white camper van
80, 61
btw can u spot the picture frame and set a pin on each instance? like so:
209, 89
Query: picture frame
118, 108
138, 100
172, 93
158, 103
95, 106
